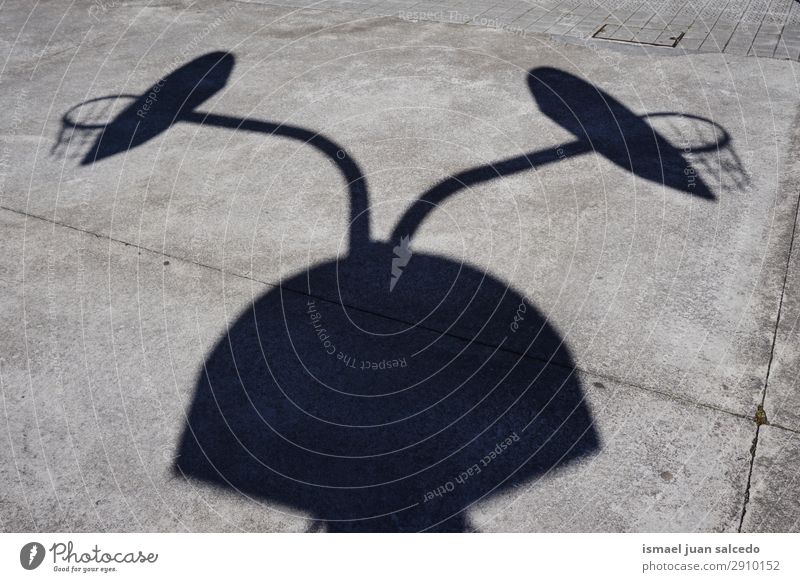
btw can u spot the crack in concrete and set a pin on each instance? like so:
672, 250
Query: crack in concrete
761, 415
583, 370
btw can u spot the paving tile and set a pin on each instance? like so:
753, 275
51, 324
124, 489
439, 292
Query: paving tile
770, 29
639, 22
539, 26
585, 29
764, 46
682, 21
696, 34
625, 33
668, 37
560, 28
583, 9
517, 12
658, 21
600, 14
720, 36
737, 49
723, 30
594, 19
746, 31
647, 35
714, 43
787, 51
739, 37
492, 13
608, 31
762, 51
700, 27
790, 41
741, 40
525, 21
690, 43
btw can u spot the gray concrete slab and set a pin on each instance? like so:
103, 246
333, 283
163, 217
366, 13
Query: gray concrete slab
137, 265
104, 343
98, 355
782, 399
774, 495
659, 492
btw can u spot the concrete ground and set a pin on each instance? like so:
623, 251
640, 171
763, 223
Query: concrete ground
667, 303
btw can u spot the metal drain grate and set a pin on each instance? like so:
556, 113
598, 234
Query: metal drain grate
637, 35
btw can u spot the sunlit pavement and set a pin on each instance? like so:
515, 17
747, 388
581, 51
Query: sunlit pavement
681, 311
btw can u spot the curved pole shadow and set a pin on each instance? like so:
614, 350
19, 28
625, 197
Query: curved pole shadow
176, 97
352, 174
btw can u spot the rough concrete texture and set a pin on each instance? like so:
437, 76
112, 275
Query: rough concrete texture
97, 389
763, 29
774, 504
667, 301
648, 285
783, 393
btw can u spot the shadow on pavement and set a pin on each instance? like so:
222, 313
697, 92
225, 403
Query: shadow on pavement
389, 390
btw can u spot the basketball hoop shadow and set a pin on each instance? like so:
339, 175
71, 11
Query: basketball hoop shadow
372, 403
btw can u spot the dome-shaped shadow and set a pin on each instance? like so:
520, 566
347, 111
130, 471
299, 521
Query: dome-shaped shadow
377, 424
